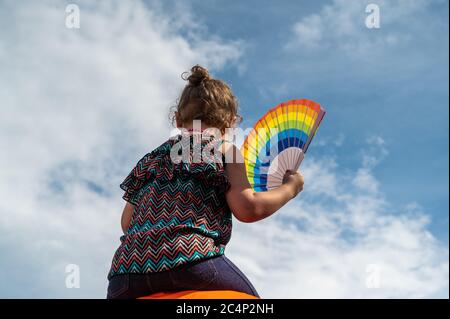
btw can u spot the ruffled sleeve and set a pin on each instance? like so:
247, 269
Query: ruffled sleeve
136, 179
155, 164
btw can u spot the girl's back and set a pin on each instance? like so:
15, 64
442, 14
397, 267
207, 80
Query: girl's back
180, 215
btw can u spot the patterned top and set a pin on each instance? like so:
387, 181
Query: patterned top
180, 214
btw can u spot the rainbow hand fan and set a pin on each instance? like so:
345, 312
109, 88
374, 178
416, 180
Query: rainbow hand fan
278, 142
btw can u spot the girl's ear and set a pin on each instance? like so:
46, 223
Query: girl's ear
235, 122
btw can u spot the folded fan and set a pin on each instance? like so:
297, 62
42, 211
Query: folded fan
278, 142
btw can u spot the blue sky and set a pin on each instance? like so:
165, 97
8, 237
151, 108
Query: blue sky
399, 91
81, 106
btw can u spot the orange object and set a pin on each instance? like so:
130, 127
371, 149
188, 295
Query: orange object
197, 294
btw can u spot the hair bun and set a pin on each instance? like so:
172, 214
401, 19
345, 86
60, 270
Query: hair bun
198, 75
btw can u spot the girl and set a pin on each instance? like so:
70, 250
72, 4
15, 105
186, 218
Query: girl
177, 219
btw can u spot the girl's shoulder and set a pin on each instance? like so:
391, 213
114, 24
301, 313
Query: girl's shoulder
162, 165
188, 144
185, 152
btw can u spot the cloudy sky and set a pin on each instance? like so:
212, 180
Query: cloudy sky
79, 107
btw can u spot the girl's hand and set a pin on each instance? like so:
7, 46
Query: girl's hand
247, 205
295, 180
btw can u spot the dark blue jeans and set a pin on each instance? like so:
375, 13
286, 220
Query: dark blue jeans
217, 273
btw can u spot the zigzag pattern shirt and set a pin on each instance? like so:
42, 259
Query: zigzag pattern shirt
180, 214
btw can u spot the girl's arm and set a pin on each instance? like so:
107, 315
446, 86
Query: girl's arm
249, 206
126, 216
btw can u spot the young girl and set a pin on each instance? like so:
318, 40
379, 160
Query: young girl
177, 219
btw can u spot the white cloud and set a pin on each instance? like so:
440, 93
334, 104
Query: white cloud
76, 104
375, 152
335, 141
310, 30
340, 25
335, 236
364, 180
